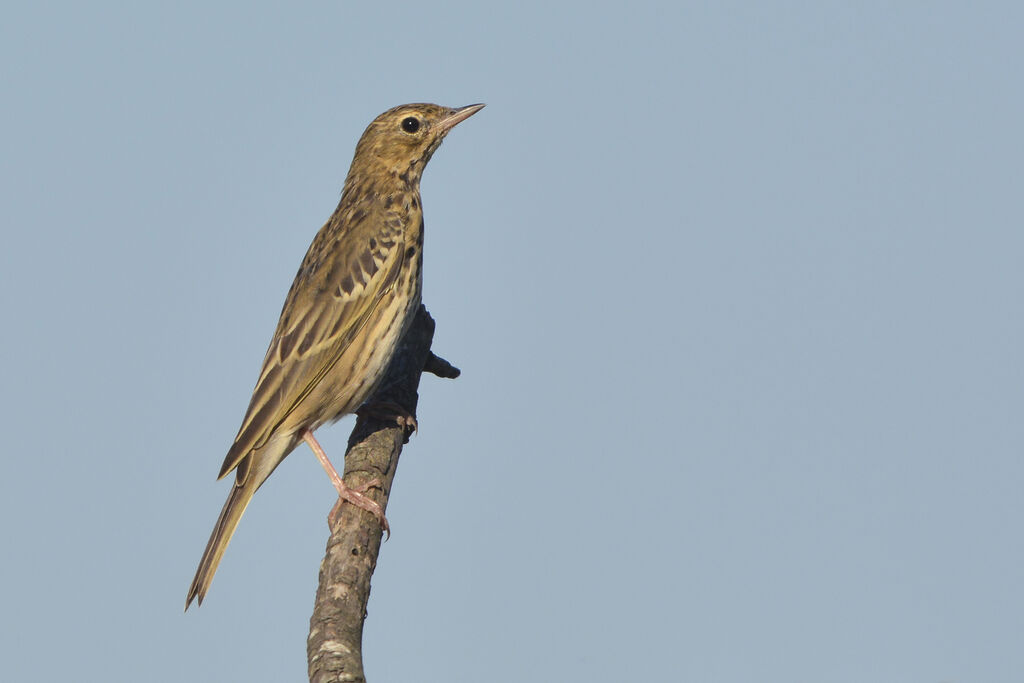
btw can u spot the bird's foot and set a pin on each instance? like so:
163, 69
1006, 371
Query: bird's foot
357, 496
389, 410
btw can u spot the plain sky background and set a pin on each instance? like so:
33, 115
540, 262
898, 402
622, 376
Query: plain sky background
735, 288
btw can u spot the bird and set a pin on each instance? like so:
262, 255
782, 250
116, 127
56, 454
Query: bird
353, 298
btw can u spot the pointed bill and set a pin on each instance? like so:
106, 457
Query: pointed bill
457, 116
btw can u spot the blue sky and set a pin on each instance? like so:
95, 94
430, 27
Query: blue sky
735, 289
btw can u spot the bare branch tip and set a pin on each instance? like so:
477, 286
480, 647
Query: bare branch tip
436, 365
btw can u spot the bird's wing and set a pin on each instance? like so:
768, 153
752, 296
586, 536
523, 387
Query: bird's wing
342, 279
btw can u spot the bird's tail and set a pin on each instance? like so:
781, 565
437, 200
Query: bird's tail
236, 503
250, 473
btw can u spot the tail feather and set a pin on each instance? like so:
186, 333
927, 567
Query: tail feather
251, 472
236, 503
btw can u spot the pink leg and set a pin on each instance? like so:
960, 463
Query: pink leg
354, 496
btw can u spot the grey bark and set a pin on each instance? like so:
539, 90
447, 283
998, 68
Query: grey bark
334, 646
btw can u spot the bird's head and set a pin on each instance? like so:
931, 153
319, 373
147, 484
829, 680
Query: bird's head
400, 142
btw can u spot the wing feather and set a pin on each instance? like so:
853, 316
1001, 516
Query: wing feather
340, 283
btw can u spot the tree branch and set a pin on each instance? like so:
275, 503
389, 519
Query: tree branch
334, 647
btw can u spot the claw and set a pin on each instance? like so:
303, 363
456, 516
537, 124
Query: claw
389, 410
355, 496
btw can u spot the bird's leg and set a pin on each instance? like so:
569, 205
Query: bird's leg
389, 410
356, 496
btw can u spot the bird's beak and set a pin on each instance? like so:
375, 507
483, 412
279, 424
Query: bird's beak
457, 116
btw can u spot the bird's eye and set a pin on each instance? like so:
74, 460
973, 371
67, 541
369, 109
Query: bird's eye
410, 124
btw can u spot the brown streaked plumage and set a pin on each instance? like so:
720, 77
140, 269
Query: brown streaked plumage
353, 298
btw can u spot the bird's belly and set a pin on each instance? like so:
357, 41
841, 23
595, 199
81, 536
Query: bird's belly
366, 359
